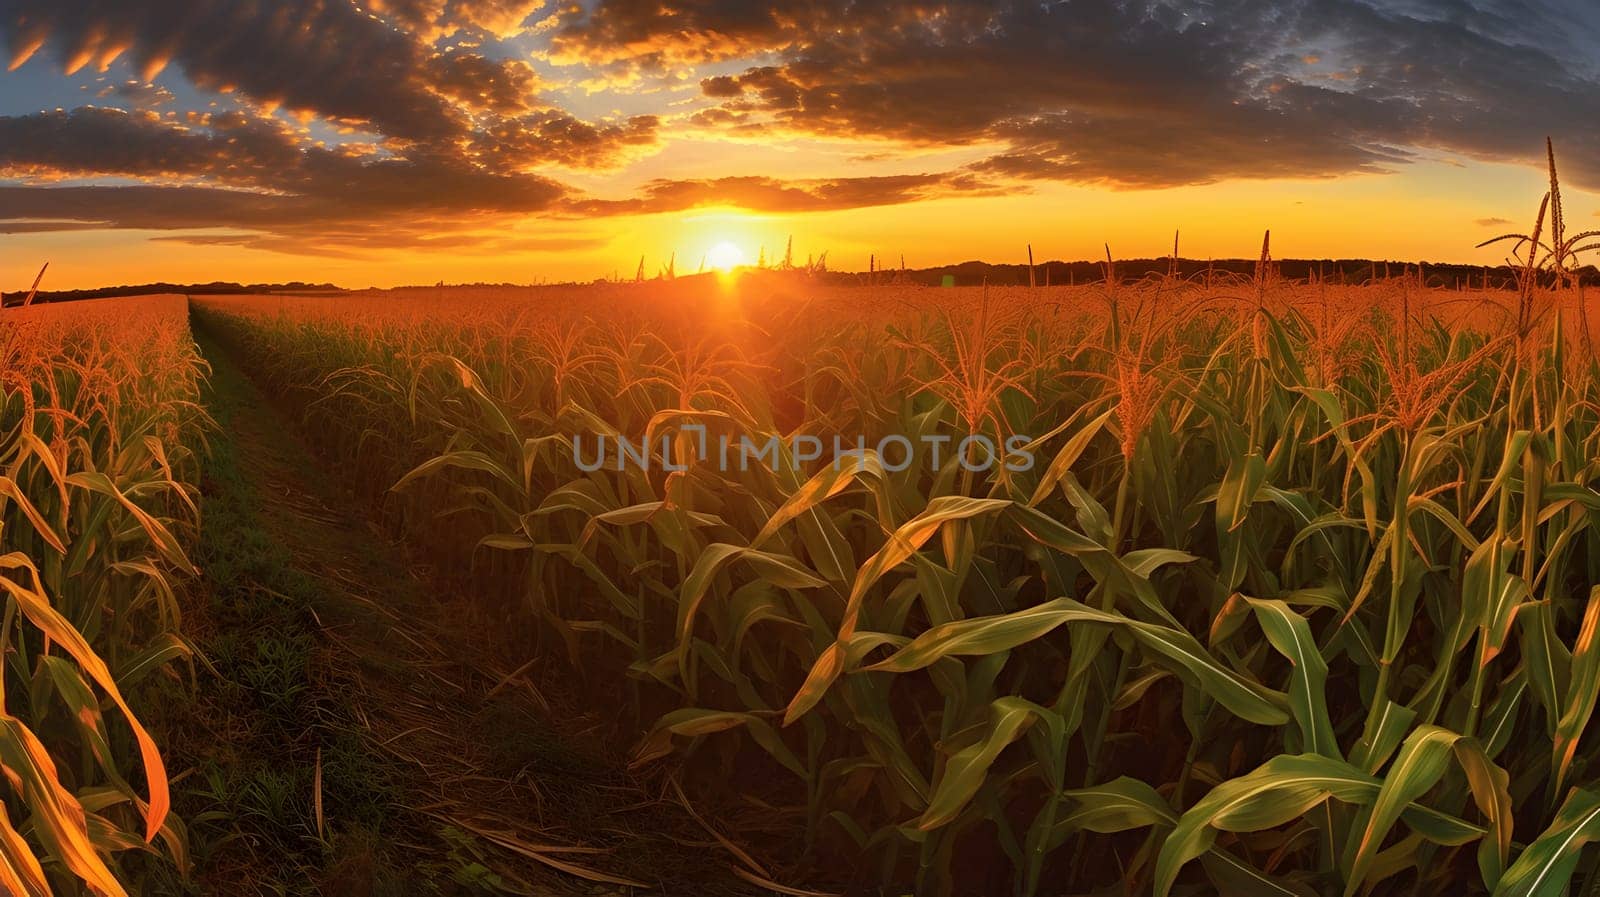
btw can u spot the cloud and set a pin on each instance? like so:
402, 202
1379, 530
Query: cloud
554, 137
138, 94
323, 55
328, 57
722, 87
1491, 222
273, 188
39, 226
235, 170
1221, 143
765, 194
483, 84
632, 35
457, 127
99, 141
501, 18
1137, 93
300, 225
356, 243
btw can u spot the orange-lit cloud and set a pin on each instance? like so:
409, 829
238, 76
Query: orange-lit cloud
762, 194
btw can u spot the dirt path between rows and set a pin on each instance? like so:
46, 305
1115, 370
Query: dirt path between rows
491, 790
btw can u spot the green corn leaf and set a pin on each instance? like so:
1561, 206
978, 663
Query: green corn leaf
1545, 867
1284, 788
1069, 454
910, 537
965, 771
1279, 791
694, 722
462, 460
1491, 790
1422, 760
1546, 661
1175, 649
981, 636
1291, 636
1120, 805
1237, 493
779, 570
1582, 689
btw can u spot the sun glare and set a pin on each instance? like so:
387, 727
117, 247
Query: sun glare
725, 256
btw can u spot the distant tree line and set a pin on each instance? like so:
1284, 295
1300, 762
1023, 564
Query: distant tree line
1350, 271
144, 289
974, 273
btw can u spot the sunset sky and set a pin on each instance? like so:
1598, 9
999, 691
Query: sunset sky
412, 141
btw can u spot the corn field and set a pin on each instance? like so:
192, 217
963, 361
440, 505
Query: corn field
1297, 596
1293, 591
98, 434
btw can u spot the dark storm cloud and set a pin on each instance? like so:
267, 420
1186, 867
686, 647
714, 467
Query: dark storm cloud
1224, 142
287, 223
1142, 93
240, 150
234, 170
322, 55
97, 141
149, 207
243, 149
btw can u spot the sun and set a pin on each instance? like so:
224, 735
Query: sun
725, 256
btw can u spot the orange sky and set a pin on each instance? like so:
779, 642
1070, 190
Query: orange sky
507, 140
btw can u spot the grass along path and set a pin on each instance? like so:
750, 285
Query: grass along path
356, 741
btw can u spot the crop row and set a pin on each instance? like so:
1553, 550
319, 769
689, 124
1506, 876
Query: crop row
1298, 595
98, 425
